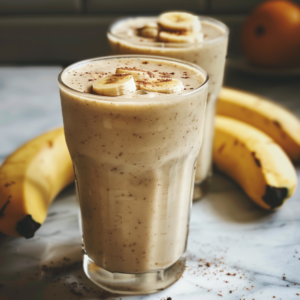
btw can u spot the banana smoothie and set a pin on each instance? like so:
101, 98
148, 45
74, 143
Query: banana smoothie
134, 126
200, 40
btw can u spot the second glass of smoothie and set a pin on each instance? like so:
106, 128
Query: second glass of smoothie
125, 38
134, 158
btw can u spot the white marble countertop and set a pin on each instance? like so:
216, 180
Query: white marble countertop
252, 254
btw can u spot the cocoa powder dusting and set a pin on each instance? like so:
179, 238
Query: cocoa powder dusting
63, 271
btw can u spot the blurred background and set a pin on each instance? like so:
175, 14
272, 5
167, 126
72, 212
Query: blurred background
64, 31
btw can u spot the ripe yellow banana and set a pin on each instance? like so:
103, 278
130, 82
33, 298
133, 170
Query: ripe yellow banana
30, 178
255, 161
274, 120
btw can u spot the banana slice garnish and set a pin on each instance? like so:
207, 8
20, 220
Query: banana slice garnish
138, 74
180, 37
179, 21
115, 85
149, 30
162, 85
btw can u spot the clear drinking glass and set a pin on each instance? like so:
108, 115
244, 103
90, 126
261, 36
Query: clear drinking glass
209, 55
134, 164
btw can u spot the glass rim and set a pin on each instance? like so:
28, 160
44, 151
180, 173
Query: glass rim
108, 98
172, 45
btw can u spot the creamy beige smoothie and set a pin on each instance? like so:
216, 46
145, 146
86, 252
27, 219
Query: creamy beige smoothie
134, 158
208, 51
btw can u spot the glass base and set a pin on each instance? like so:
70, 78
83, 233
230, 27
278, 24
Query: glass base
139, 283
201, 188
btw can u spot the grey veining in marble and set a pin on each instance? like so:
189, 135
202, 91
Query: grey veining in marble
235, 250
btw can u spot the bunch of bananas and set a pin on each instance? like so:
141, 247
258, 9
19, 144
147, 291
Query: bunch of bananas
254, 142
253, 152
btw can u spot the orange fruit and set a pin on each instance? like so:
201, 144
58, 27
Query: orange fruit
271, 34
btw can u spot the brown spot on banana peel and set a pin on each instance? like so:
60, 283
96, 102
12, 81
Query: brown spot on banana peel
277, 124
4, 206
221, 148
257, 161
27, 227
275, 196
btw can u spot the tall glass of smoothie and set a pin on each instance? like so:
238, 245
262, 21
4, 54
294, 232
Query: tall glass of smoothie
197, 39
134, 127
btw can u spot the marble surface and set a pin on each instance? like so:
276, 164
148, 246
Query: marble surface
235, 249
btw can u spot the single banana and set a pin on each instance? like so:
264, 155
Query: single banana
114, 85
30, 178
276, 121
255, 161
162, 85
180, 37
138, 74
179, 21
150, 30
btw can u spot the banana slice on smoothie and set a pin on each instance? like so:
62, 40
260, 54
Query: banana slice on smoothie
138, 74
179, 21
162, 85
115, 85
180, 37
149, 30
